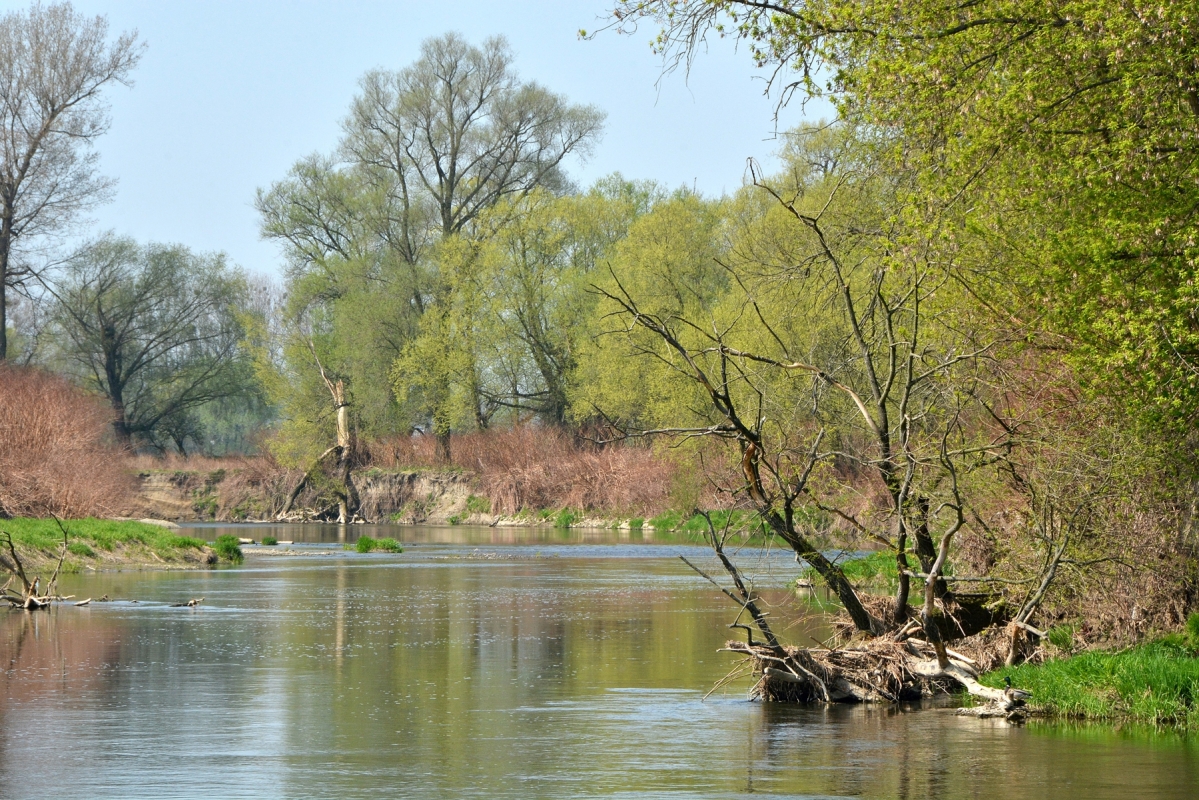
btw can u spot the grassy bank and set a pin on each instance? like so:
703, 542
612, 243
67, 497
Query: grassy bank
877, 569
104, 544
1155, 683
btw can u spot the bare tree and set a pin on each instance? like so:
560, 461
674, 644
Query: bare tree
155, 329
54, 63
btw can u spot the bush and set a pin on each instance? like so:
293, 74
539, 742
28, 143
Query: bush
1192, 631
365, 544
478, 505
389, 545
536, 466
565, 518
228, 548
56, 455
270, 541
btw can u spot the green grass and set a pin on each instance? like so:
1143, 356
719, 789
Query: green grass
565, 518
96, 534
478, 505
636, 524
367, 545
81, 549
1155, 683
229, 548
877, 569
270, 541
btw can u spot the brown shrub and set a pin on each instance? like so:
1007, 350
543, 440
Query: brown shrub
532, 467
55, 452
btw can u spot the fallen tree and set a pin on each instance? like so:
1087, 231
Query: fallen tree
30, 594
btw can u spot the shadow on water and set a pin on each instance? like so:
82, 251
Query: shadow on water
437, 674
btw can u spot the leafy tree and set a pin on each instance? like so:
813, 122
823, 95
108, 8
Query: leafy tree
426, 151
157, 330
1065, 131
54, 64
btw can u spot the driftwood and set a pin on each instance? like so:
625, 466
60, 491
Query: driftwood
875, 670
29, 595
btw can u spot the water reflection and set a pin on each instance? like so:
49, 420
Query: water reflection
570, 671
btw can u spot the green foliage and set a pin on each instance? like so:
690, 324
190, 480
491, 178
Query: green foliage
81, 549
270, 541
666, 521
229, 548
93, 533
1191, 632
155, 329
478, 505
455, 519
566, 517
636, 523
877, 569
1061, 637
1155, 683
366, 544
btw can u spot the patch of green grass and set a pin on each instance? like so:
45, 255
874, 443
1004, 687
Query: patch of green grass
456, 519
365, 544
1061, 637
389, 545
566, 517
478, 505
270, 541
81, 549
1155, 683
667, 521
877, 569
102, 534
228, 548
545, 513
636, 524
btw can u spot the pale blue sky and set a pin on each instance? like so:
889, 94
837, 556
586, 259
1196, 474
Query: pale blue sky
230, 94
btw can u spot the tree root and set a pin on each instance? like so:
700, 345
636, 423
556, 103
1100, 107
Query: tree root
875, 670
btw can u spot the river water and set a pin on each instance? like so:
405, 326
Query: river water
484, 663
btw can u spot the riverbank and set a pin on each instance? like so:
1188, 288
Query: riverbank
1156, 683
100, 544
403, 497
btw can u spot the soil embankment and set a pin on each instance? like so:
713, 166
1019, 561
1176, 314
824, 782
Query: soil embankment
413, 496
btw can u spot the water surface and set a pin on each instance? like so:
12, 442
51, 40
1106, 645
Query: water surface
482, 663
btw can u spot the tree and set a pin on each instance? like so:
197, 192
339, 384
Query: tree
426, 150
1066, 128
54, 64
155, 329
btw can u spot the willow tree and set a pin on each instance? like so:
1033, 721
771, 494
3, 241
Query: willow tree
156, 330
426, 149
54, 66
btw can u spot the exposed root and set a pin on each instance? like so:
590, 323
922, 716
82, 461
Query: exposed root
873, 670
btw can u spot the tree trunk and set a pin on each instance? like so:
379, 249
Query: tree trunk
830, 572
347, 501
5, 248
905, 581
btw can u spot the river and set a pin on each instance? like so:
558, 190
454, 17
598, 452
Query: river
484, 663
